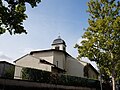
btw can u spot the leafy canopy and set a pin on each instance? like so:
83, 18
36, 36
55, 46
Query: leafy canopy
101, 40
12, 15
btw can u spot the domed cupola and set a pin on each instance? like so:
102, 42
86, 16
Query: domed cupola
59, 44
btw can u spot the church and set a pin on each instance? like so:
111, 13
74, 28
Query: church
55, 60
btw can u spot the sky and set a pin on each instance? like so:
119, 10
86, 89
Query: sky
46, 22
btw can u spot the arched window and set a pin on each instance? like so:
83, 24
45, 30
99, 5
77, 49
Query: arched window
57, 48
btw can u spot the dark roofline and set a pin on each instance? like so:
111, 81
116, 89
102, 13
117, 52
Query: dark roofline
46, 62
58, 44
49, 50
20, 58
6, 62
53, 65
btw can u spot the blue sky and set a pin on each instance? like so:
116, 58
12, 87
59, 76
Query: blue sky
44, 23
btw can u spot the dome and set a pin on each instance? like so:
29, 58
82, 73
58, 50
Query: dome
58, 41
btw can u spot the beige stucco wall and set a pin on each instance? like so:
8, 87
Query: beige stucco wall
18, 73
59, 57
48, 56
74, 67
31, 62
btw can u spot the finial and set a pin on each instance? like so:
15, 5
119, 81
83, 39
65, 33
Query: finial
59, 36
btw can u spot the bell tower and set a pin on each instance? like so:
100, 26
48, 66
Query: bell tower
59, 44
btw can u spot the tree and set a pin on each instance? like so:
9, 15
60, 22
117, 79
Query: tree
12, 15
9, 72
101, 41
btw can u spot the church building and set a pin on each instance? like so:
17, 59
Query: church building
55, 60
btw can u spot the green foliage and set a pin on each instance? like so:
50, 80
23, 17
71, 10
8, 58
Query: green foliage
9, 72
102, 38
60, 79
12, 15
35, 75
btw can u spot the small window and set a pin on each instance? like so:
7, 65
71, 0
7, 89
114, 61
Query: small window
64, 49
57, 48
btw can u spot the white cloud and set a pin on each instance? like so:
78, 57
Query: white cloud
79, 41
1, 53
27, 50
5, 58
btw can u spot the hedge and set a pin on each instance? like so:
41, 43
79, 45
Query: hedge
60, 79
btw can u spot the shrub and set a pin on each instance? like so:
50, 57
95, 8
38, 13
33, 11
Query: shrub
54, 78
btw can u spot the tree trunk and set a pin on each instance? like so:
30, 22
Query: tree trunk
113, 72
113, 79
